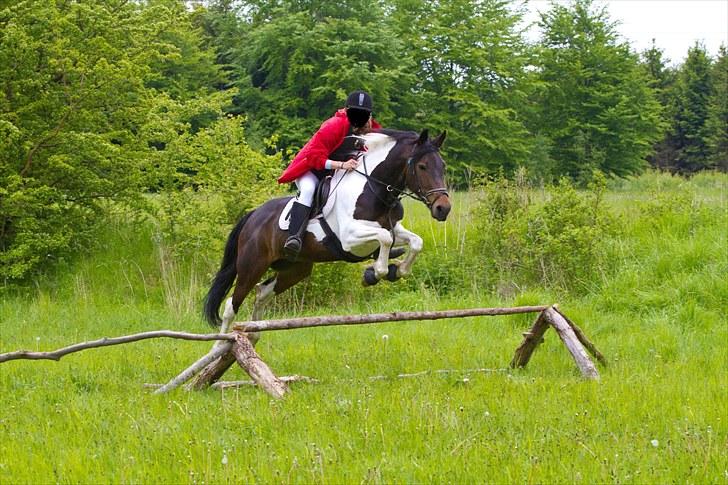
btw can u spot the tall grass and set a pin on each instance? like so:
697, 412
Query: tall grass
654, 307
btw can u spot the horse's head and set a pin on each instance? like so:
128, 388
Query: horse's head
425, 175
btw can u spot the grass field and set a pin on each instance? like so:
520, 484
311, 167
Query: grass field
658, 415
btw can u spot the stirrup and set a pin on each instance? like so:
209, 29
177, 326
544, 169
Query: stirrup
292, 246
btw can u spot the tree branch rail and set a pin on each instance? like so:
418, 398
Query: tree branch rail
236, 347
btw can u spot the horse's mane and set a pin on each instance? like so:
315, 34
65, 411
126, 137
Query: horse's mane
398, 135
408, 136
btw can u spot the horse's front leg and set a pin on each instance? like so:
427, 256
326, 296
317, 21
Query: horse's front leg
362, 232
415, 244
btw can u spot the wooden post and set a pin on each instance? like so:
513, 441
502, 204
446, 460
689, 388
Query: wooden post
583, 339
531, 339
567, 335
212, 373
188, 373
249, 360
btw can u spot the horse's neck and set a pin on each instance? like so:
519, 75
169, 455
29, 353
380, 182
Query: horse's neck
349, 186
378, 148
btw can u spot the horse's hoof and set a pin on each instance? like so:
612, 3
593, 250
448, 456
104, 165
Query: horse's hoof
370, 278
392, 272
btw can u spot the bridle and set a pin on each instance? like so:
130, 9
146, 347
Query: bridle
417, 194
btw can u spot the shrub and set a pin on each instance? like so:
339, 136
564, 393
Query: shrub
558, 242
207, 181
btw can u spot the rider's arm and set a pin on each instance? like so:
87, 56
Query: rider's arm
333, 164
323, 142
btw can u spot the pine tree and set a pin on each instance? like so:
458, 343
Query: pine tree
597, 110
689, 132
661, 79
717, 123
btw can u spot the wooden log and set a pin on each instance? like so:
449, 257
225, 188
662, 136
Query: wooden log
188, 373
258, 370
106, 341
584, 340
532, 339
211, 373
567, 335
291, 323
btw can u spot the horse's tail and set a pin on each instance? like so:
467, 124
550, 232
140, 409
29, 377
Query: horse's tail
225, 277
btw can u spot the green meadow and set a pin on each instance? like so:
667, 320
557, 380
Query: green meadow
648, 287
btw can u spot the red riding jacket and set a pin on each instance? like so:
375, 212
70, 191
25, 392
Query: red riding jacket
313, 155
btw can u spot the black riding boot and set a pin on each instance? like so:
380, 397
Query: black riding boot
296, 226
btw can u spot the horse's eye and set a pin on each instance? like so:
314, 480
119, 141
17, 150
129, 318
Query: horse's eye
422, 166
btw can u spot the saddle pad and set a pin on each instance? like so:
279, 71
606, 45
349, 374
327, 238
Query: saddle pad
284, 219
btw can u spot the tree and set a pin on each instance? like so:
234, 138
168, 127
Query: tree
661, 79
185, 67
692, 94
81, 117
717, 123
597, 110
471, 78
297, 61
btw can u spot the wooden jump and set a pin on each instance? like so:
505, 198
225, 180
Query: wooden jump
237, 347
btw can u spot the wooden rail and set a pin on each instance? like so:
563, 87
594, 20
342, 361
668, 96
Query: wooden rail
237, 347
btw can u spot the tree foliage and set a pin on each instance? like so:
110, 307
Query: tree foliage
471, 77
596, 108
73, 90
717, 122
170, 106
80, 88
297, 61
691, 99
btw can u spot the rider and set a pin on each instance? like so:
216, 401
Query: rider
307, 166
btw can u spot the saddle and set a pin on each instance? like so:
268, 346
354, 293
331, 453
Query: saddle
321, 196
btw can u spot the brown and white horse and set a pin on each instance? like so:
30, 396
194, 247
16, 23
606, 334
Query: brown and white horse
363, 212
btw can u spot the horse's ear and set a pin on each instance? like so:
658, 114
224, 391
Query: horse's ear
423, 137
440, 139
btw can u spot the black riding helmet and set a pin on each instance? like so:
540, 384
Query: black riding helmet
358, 108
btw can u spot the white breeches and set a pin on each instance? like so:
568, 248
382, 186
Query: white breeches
306, 184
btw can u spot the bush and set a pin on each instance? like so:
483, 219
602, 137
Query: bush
207, 181
558, 242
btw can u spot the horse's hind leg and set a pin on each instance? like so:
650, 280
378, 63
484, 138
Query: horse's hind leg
292, 275
246, 281
277, 284
263, 294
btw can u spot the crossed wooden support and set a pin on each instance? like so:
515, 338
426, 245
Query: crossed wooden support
237, 347
216, 363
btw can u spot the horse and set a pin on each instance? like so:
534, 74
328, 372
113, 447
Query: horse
360, 220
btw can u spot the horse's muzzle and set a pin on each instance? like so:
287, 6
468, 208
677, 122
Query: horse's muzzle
441, 208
